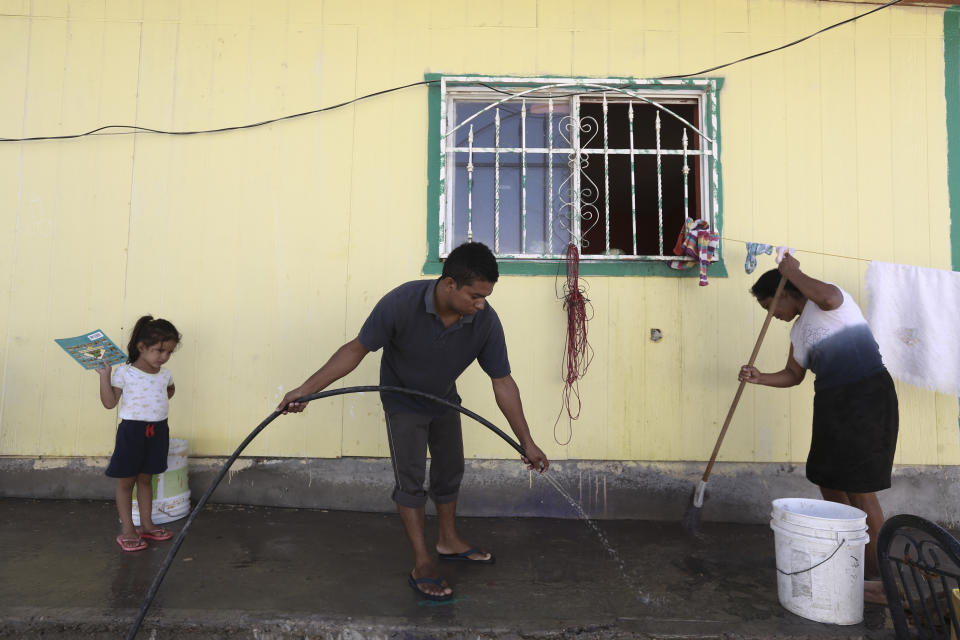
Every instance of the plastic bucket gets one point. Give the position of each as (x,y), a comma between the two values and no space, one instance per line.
(820,548)
(171,491)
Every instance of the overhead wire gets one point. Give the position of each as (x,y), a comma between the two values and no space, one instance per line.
(784,46)
(139,129)
(132,129)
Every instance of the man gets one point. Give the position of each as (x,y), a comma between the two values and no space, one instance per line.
(430,332)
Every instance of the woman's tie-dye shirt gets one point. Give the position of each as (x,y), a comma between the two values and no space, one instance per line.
(836,345)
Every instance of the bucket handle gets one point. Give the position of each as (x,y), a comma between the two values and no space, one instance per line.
(793,573)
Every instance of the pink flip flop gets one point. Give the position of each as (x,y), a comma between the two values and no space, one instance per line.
(131,545)
(156,534)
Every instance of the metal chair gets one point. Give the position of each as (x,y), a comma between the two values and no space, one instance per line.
(920,568)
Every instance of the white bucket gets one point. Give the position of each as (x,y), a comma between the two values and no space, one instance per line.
(171,492)
(820,549)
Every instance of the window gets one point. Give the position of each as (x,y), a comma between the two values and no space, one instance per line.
(613,166)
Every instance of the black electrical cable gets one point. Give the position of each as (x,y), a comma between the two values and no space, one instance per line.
(727,64)
(136,129)
(152,591)
(784,46)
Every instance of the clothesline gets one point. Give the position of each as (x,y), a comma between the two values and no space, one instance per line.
(697,240)
(819,253)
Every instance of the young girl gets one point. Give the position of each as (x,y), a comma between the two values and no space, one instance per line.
(143,388)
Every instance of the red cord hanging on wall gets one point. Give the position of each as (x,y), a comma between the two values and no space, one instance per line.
(577,353)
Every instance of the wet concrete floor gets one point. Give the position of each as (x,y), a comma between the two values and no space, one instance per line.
(272,574)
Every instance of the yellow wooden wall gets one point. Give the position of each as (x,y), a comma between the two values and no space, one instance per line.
(267,247)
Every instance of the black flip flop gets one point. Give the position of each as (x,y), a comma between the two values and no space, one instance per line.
(465,557)
(415,585)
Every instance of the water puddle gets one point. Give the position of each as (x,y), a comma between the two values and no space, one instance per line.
(440,603)
(644,598)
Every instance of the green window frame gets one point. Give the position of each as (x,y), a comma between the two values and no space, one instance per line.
(626,220)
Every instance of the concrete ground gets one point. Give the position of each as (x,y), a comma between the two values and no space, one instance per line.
(273,574)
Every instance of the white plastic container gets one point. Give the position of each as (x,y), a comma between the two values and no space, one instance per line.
(820,550)
(171,491)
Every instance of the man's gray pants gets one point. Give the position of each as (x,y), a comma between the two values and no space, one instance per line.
(410,435)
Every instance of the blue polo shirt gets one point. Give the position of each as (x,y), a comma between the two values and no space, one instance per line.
(420,353)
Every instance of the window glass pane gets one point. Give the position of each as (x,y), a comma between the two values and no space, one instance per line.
(483,129)
(538,124)
(537,201)
(562,205)
(482,199)
(511,222)
(485,202)
(509,124)
(509,201)
(484,125)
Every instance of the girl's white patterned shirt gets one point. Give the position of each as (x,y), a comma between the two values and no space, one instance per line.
(144,394)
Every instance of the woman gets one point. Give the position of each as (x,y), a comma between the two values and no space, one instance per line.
(855,419)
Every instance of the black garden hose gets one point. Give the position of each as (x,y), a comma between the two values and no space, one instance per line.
(152,592)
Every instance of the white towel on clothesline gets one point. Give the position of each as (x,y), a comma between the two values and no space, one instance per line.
(914,313)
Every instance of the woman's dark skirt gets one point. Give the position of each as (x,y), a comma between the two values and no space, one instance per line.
(854,435)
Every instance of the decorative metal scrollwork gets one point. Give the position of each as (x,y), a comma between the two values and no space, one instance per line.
(576,222)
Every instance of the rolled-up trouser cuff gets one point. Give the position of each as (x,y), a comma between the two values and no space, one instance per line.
(444,499)
(414,501)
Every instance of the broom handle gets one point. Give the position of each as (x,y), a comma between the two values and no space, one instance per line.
(753,357)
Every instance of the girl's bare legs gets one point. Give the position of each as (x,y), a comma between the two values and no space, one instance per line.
(145,501)
(124,497)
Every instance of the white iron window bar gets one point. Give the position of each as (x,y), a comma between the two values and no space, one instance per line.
(506,181)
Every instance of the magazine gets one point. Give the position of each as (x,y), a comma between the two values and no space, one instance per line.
(93,349)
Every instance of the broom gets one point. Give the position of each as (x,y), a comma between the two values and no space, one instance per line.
(691,517)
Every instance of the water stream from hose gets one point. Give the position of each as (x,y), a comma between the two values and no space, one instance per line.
(644,598)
